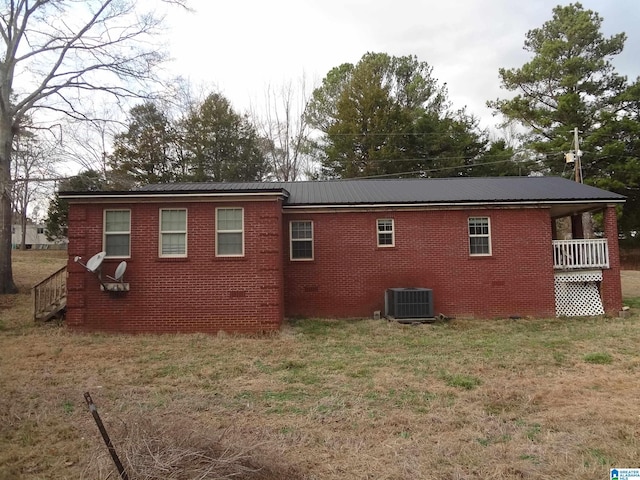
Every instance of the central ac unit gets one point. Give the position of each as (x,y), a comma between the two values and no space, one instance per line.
(404,303)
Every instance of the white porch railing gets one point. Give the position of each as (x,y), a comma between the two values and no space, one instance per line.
(580,253)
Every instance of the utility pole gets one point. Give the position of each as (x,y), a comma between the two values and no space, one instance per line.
(577,155)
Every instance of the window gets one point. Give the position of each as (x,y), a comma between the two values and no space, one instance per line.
(173,233)
(229,232)
(479,236)
(40,230)
(301,240)
(117,233)
(386,236)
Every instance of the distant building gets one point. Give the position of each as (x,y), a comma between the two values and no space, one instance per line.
(35,238)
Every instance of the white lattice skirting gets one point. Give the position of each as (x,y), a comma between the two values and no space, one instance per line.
(578,294)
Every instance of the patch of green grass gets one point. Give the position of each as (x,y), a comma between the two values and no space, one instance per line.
(459,380)
(292,365)
(362,372)
(485,442)
(416,400)
(598,456)
(533,431)
(262,367)
(316,327)
(633,302)
(532,458)
(283,396)
(68,407)
(599,358)
(559,357)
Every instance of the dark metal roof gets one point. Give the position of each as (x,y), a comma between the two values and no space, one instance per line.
(408,191)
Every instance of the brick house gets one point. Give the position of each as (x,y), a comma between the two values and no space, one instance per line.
(240,257)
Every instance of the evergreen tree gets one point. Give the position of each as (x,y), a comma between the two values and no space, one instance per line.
(570,83)
(219,144)
(146,152)
(388,116)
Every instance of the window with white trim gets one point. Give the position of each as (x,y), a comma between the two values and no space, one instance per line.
(479,236)
(229,232)
(117,233)
(173,233)
(301,240)
(386,235)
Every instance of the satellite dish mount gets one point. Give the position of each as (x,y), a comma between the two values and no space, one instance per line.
(94,265)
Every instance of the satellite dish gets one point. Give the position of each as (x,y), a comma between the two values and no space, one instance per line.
(122,267)
(94,262)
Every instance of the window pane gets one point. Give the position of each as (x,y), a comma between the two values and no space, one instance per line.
(173,244)
(385,225)
(301,230)
(479,226)
(117,221)
(229,243)
(385,239)
(479,245)
(173,220)
(229,219)
(301,249)
(117,245)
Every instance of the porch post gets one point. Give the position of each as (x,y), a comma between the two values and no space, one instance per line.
(577,230)
(611,288)
(554,229)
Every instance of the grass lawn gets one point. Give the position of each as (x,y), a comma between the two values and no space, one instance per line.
(322,399)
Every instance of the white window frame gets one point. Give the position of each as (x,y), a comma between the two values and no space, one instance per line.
(292,240)
(105,234)
(479,235)
(240,231)
(386,232)
(162,232)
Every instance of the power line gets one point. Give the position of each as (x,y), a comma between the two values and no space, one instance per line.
(45,179)
(429,170)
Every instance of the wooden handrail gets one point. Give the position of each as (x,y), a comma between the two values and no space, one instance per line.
(49,294)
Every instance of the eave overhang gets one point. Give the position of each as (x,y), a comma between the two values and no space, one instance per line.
(173,196)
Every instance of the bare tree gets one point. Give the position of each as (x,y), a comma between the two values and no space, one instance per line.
(87,143)
(33,161)
(284,130)
(62,50)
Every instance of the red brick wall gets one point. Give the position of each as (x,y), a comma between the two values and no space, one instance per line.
(349,273)
(200,293)
(347,278)
(611,288)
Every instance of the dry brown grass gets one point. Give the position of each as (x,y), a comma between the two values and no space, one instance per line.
(630,283)
(323,399)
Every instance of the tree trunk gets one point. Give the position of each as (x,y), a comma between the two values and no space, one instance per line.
(6,273)
(23,225)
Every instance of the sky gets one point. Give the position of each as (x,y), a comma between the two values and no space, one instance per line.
(240,47)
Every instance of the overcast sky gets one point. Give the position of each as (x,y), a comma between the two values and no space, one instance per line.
(240,46)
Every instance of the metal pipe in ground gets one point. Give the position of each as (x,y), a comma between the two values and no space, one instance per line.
(105,436)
